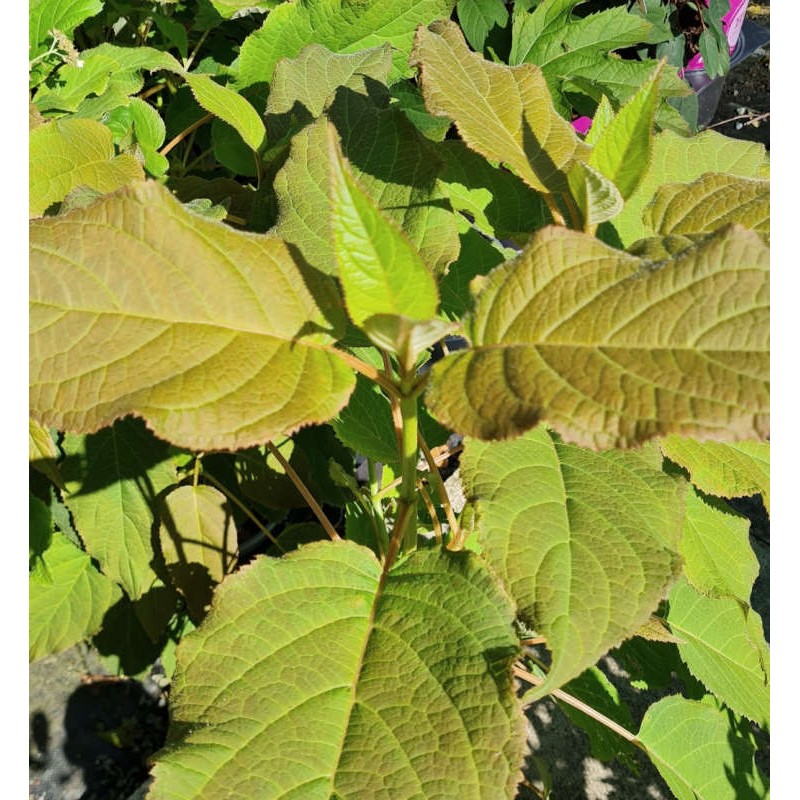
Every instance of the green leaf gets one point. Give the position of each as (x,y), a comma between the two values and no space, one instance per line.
(365,424)
(63,15)
(75,84)
(699,753)
(220,369)
(504,113)
(72,606)
(40,536)
(479,17)
(709,203)
(112,479)
(227,8)
(304,86)
(43,453)
(680,159)
(622,151)
(343,26)
(718,559)
(584,541)
(230,107)
(723,646)
(150,132)
(611,350)
(68,153)
(728,470)
(596,197)
(385,663)
(198,542)
(392,161)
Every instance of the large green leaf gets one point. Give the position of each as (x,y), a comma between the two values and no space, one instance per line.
(69,607)
(478,17)
(112,479)
(315,677)
(343,26)
(62,15)
(680,159)
(213,336)
(394,163)
(723,646)
(198,542)
(612,350)
(699,753)
(68,153)
(709,203)
(505,113)
(229,106)
(737,469)
(584,541)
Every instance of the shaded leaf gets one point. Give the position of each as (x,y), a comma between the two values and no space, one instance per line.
(736,469)
(217,369)
(479,17)
(112,479)
(596,197)
(40,536)
(71,607)
(343,26)
(505,113)
(198,542)
(364,644)
(42,452)
(611,350)
(709,203)
(723,646)
(68,153)
(230,107)
(699,753)
(584,541)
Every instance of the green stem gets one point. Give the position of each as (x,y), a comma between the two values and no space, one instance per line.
(408,472)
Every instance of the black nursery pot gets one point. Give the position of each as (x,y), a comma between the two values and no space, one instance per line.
(709,90)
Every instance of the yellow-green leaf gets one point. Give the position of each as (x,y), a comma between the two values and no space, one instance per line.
(74,152)
(213,336)
(596,197)
(709,203)
(612,350)
(584,541)
(505,113)
(198,542)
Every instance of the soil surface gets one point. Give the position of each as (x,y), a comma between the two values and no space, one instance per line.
(90,738)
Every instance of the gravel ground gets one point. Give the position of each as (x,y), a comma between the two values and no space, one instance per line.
(89,740)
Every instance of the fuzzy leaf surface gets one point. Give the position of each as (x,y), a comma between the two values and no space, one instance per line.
(63,15)
(715,545)
(504,113)
(723,646)
(343,26)
(679,159)
(612,350)
(230,107)
(198,542)
(112,479)
(698,753)
(68,153)
(387,669)
(584,541)
(736,469)
(595,195)
(709,203)
(220,369)
(71,606)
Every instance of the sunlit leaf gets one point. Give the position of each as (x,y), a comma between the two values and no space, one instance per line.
(596,197)
(584,541)
(611,350)
(63,15)
(380,669)
(68,153)
(121,324)
(479,17)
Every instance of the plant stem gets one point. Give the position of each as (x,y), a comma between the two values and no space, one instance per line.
(535,680)
(407,506)
(184,133)
(303,489)
(378,522)
(558,217)
(455,530)
(437,526)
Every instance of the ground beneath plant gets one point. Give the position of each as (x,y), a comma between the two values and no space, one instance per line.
(90,738)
